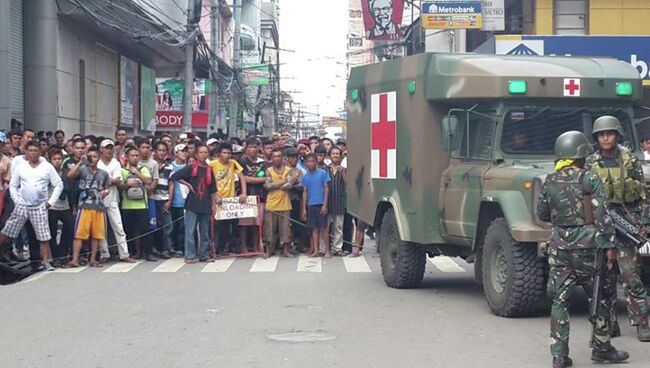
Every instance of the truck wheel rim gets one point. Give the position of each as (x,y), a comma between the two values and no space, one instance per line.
(499,268)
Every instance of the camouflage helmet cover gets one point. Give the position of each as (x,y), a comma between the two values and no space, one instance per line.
(572,145)
(608,123)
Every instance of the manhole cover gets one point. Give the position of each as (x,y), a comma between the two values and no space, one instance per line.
(302,337)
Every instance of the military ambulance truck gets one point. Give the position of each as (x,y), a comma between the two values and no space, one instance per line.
(447,153)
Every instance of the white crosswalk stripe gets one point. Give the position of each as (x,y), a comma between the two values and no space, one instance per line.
(265,265)
(170,265)
(220,265)
(356,264)
(306,264)
(446,264)
(122,267)
(70,270)
(302,263)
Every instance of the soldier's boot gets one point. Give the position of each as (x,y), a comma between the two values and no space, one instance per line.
(610,356)
(615,330)
(562,362)
(643,331)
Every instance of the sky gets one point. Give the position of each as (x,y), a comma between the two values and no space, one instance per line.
(317,32)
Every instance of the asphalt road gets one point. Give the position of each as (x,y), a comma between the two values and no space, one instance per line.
(252,313)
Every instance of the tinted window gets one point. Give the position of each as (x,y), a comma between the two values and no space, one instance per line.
(535,131)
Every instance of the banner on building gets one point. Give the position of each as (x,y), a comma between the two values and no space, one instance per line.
(493,15)
(256,74)
(230,208)
(452,15)
(169,103)
(335,127)
(630,49)
(128,92)
(147,99)
(383,19)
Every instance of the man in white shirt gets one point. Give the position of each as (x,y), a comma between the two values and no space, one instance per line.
(29,188)
(111,201)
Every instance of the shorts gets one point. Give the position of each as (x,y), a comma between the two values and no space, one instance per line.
(37,217)
(90,224)
(252,221)
(136,222)
(277,223)
(314,218)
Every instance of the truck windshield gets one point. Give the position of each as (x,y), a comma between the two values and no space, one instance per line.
(533,131)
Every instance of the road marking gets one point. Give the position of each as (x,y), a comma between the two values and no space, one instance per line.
(220,265)
(446,264)
(170,265)
(306,264)
(122,267)
(265,265)
(70,270)
(356,264)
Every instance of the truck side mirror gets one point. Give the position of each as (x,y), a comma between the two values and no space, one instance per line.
(449,128)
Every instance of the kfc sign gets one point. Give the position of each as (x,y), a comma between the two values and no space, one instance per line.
(382,19)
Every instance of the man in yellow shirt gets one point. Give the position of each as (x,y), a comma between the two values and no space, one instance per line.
(227,173)
(278,205)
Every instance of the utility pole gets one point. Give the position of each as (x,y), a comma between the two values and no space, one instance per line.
(189,69)
(214,70)
(234,101)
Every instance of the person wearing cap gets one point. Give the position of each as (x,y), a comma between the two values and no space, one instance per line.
(303,151)
(112,202)
(178,193)
(212,143)
(237,152)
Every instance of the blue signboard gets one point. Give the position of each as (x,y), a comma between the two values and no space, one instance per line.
(631,49)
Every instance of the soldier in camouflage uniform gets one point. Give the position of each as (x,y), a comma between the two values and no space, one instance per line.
(624,187)
(580,226)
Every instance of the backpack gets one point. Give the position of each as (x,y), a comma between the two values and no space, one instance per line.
(133,193)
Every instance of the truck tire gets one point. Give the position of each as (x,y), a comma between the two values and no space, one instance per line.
(513,275)
(402,264)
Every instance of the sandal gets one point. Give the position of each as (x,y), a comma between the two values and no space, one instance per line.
(354,254)
(190,261)
(70,265)
(95,265)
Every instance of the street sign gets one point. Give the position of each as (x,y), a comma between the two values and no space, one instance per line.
(452,15)
(230,208)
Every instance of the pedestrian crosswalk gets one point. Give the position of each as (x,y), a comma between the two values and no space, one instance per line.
(301,263)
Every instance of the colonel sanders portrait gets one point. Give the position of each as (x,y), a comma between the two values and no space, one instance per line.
(381,12)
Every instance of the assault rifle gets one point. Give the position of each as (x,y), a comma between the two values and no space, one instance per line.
(598,276)
(627,230)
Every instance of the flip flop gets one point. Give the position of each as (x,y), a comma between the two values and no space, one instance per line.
(68,265)
(354,255)
(96,265)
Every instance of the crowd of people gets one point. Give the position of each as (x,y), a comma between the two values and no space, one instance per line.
(151,198)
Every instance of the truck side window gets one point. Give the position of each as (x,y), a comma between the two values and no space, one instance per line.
(476,138)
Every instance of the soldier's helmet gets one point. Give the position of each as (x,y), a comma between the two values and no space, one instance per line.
(607,123)
(572,145)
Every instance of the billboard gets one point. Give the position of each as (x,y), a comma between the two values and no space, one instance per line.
(631,49)
(147,99)
(452,15)
(128,92)
(256,74)
(382,19)
(493,15)
(169,103)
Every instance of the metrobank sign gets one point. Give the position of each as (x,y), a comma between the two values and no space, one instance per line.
(631,49)
(451,14)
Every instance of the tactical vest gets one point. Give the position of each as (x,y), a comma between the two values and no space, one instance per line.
(566,204)
(619,184)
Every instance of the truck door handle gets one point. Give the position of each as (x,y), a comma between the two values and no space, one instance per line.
(447,179)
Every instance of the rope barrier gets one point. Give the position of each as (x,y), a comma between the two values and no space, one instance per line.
(212,240)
